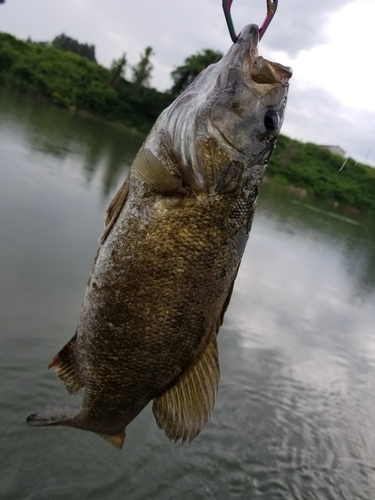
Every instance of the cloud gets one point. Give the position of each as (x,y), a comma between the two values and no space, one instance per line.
(314,115)
(302,25)
(331,96)
(344,65)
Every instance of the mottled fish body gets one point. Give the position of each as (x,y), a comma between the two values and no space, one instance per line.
(174,238)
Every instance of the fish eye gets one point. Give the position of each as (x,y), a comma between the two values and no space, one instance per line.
(271,120)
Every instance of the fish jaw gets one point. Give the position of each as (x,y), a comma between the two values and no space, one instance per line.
(232,112)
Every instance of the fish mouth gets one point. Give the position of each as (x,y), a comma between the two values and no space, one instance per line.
(262,74)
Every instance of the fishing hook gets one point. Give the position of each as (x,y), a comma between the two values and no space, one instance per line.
(271,10)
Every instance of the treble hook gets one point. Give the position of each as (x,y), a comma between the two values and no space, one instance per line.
(271,9)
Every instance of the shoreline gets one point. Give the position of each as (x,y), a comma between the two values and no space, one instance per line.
(302,194)
(295,190)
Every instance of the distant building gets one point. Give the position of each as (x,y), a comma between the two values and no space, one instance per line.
(336,150)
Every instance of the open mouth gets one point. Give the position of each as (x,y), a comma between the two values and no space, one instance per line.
(266,72)
(260,70)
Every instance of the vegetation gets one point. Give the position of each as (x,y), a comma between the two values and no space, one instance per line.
(72,81)
(68,44)
(117,71)
(317,170)
(142,71)
(184,75)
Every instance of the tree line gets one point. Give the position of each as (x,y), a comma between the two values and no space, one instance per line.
(66,73)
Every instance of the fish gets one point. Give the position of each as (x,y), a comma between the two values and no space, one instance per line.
(174,237)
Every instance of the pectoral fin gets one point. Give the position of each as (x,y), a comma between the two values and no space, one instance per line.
(184,409)
(150,170)
(65,368)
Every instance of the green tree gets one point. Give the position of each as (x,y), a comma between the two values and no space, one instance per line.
(142,71)
(68,44)
(117,71)
(184,75)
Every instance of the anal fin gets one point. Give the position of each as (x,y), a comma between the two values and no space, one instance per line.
(117,441)
(64,364)
(184,409)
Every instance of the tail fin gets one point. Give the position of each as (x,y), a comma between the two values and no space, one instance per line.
(54,415)
(65,415)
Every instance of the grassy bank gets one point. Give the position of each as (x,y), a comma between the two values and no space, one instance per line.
(71,81)
(317,171)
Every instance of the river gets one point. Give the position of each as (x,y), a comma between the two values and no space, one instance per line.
(294,417)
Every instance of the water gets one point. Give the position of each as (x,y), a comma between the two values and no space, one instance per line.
(294,418)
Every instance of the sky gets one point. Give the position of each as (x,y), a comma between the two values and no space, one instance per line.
(329,44)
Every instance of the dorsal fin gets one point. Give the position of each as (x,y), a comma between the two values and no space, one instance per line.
(114,209)
(151,171)
(117,441)
(64,364)
(184,409)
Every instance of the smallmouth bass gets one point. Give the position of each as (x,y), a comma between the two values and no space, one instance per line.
(173,242)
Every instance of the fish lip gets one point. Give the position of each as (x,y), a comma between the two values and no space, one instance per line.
(257,69)
(250,37)
(245,47)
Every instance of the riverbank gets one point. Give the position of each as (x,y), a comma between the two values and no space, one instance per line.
(84,87)
(71,81)
(320,174)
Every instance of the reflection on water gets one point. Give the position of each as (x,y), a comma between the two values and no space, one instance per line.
(295,415)
(63,135)
(353,237)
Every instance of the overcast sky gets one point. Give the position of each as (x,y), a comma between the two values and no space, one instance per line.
(329,43)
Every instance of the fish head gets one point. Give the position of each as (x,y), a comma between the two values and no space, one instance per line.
(230,115)
(248,112)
